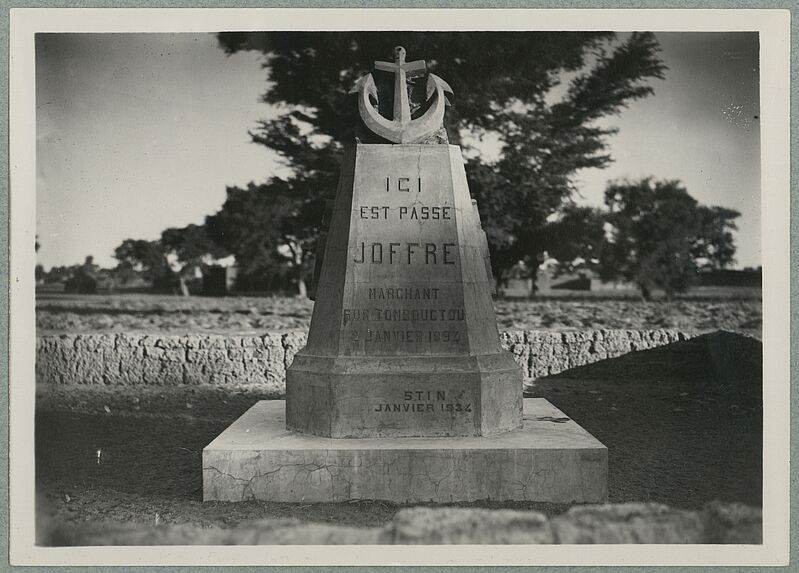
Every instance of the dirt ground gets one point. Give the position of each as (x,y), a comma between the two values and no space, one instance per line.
(675,435)
(703,310)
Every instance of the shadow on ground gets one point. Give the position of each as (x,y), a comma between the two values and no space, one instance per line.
(682,423)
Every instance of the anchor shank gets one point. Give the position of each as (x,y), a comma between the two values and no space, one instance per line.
(402,107)
(401,129)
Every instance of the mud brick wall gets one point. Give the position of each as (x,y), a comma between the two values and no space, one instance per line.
(170,360)
(543,353)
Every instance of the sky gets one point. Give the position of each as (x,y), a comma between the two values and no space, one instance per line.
(701,127)
(140,132)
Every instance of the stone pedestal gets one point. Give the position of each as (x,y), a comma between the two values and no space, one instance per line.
(550,458)
(403,339)
(403,391)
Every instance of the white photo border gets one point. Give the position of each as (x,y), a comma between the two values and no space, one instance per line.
(774,29)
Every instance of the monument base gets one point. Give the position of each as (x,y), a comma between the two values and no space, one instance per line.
(550,458)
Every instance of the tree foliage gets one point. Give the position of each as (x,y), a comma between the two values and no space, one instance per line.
(506,84)
(170,260)
(268,229)
(188,250)
(190,246)
(145,258)
(575,238)
(83,278)
(714,248)
(660,236)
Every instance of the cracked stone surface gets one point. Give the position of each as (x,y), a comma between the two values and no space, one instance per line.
(256,458)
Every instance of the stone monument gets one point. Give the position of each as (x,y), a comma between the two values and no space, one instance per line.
(403,391)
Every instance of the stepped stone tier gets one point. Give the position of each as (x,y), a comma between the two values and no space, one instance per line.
(403,391)
(550,458)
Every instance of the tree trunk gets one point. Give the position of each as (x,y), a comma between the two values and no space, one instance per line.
(302,288)
(646,294)
(498,289)
(184,288)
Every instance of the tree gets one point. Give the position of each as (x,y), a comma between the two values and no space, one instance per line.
(147,258)
(660,237)
(503,83)
(575,238)
(268,229)
(39,273)
(83,278)
(714,248)
(57,274)
(188,249)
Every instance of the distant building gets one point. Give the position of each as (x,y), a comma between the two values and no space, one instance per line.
(736,278)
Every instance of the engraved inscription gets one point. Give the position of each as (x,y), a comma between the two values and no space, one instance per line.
(402,314)
(405,226)
(373,212)
(384,336)
(405,253)
(424,213)
(403,184)
(411,213)
(388,336)
(420,401)
(403,293)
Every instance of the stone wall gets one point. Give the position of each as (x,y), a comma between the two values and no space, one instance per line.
(620,523)
(170,360)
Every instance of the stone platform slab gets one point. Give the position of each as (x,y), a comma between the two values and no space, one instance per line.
(551,458)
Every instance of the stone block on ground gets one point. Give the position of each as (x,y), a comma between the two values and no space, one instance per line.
(452,525)
(719,523)
(261,532)
(733,523)
(628,523)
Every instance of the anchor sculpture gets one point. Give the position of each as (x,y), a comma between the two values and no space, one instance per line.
(402,128)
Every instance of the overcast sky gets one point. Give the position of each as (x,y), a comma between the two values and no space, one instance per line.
(140,132)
